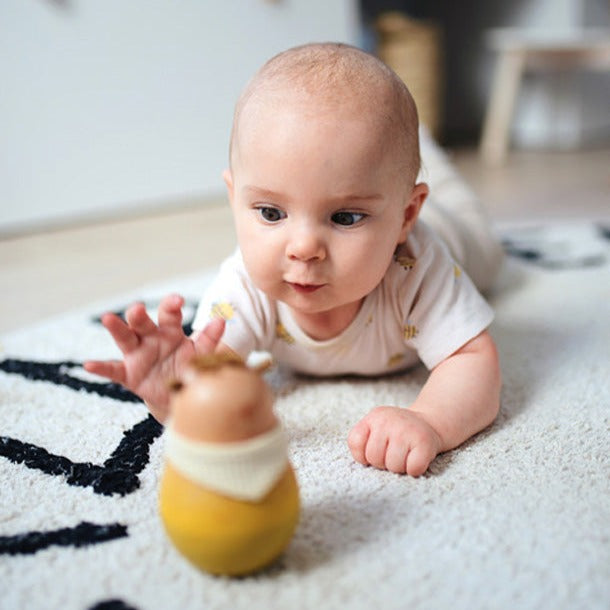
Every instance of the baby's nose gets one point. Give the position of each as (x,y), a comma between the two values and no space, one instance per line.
(306,245)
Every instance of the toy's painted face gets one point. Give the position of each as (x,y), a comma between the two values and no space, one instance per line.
(319,204)
(222,404)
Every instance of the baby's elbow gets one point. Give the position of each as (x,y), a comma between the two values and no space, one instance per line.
(494,409)
(495,381)
(493,375)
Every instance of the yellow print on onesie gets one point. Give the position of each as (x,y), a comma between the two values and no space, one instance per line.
(457,272)
(406,262)
(282,334)
(395,360)
(410,331)
(223,310)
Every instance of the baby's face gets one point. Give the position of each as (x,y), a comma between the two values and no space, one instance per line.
(319,204)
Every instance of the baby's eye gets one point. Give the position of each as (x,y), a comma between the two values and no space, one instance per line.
(346,219)
(269,214)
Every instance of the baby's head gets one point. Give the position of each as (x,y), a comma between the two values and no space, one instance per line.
(324,159)
(339,81)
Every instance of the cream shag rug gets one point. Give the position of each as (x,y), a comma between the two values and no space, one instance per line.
(518,517)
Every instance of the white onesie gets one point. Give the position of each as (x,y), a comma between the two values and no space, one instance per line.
(425,308)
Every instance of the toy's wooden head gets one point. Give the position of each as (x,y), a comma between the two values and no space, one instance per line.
(220,399)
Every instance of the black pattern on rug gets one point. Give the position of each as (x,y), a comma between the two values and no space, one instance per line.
(58,373)
(557,247)
(117,475)
(112,604)
(82,535)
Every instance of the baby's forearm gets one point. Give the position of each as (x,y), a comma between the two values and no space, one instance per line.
(462,394)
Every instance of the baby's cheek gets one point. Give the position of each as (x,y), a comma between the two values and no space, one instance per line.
(258,267)
(371,265)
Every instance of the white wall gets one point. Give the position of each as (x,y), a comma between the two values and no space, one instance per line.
(108,105)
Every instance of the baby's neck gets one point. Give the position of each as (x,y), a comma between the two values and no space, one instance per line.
(327,324)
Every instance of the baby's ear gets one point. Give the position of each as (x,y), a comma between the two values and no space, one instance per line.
(412,208)
(227,176)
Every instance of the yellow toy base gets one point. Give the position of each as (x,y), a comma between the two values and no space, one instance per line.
(225,536)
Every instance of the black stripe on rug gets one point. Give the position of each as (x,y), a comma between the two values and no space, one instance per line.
(83,534)
(57,373)
(112,604)
(118,474)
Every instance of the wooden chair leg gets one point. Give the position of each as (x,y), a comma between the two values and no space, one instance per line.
(496,127)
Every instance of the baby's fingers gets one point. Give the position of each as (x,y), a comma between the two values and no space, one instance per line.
(111,369)
(170,311)
(419,459)
(125,338)
(357,440)
(209,338)
(396,457)
(140,322)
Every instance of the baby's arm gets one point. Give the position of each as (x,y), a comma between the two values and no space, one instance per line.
(154,354)
(460,398)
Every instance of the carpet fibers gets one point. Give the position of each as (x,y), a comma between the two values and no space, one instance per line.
(518,517)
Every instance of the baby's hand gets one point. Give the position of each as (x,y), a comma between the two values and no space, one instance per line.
(153,355)
(395,439)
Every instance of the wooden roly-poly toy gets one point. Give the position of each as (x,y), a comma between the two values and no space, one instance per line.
(229,498)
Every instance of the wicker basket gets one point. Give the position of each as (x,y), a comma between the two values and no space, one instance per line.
(412,48)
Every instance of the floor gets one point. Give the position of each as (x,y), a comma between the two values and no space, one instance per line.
(47,273)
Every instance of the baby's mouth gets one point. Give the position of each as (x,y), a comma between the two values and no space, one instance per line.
(305,288)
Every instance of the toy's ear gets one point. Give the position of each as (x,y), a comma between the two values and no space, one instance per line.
(259,362)
(261,367)
(175,385)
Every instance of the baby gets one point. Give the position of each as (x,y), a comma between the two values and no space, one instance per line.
(334,273)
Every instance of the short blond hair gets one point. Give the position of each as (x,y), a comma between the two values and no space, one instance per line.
(338,75)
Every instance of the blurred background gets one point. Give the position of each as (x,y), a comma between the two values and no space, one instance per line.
(115,118)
